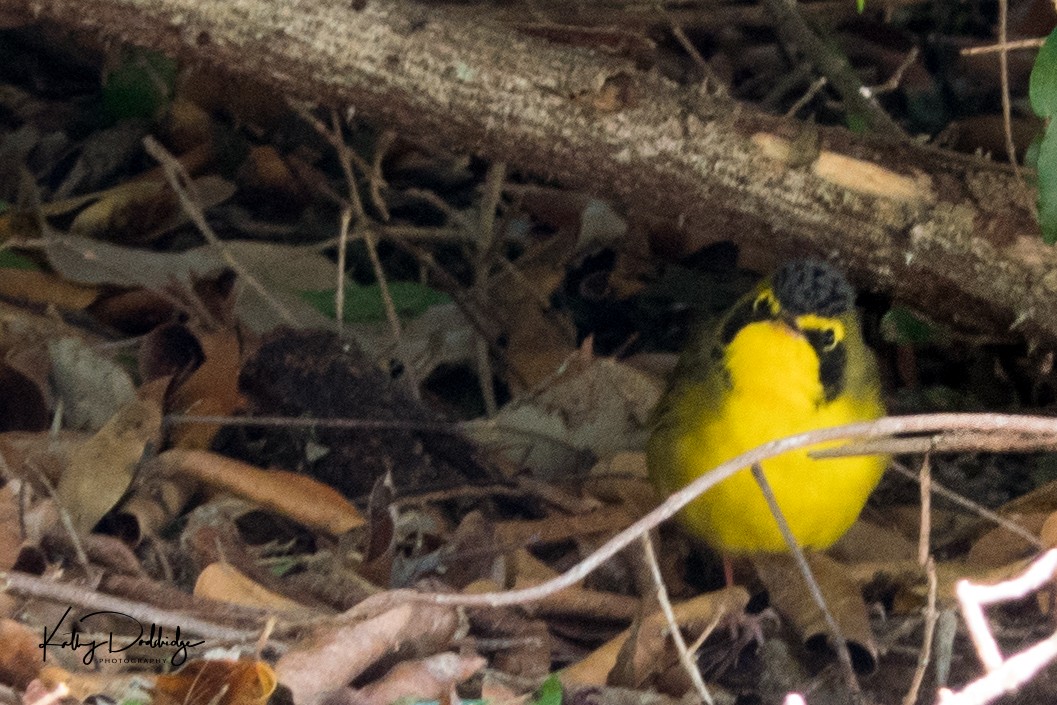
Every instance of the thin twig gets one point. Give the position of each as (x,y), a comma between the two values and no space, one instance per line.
(339,288)
(434,200)
(887,426)
(299,421)
(1007,46)
(1003,72)
(996,442)
(784,84)
(181,183)
(925,532)
(831,64)
(841,644)
(685,657)
(493,192)
(411,232)
(334,139)
(375,179)
(810,93)
(390,314)
(972,506)
(925,654)
(346,157)
(27,585)
(362,227)
(684,41)
(897,76)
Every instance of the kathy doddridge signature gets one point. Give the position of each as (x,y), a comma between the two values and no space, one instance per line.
(155,638)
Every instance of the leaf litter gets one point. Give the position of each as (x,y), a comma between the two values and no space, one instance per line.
(168,447)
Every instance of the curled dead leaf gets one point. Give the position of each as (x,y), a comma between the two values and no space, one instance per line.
(695,614)
(791,598)
(224,583)
(298,497)
(216,682)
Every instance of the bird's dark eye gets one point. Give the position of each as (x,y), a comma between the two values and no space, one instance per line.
(828,339)
(764,306)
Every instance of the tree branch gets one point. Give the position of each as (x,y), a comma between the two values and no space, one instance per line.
(954,235)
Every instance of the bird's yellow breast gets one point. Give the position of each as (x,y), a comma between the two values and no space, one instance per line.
(769,388)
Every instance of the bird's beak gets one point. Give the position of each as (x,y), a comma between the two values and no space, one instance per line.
(789,324)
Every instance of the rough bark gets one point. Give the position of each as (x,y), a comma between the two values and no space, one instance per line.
(955,236)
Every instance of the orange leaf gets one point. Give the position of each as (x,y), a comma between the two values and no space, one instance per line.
(298,497)
(218,683)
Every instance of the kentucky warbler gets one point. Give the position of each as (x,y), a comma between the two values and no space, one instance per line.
(788,357)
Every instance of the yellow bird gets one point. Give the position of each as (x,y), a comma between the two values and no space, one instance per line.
(788,357)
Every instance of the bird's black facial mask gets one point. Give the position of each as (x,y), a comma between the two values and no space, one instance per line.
(831,362)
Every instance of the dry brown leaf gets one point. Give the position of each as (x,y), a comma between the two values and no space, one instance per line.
(298,497)
(639,657)
(906,519)
(472,552)
(215,682)
(592,408)
(538,338)
(693,615)
(791,598)
(19,654)
(153,505)
(186,126)
(31,456)
(265,174)
(1000,546)
(430,678)
(140,210)
(622,478)
(46,288)
(866,541)
(101,469)
(529,570)
(211,390)
(1040,499)
(127,211)
(223,582)
(343,649)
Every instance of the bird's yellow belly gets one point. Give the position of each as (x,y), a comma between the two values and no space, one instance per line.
(820,499)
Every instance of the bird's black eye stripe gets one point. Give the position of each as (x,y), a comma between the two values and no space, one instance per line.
(831,360)
(743,314)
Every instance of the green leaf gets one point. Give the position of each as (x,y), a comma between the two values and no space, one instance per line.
(903,327)
(140,87)
(860,5)
(1031,154)
(1042,88)
(363,304)
(13,260)
(550,693)
(1047,171)
(857,123)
